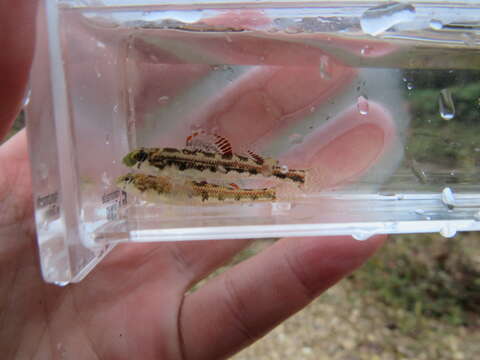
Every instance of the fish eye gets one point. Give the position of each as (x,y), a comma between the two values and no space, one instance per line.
(141,155)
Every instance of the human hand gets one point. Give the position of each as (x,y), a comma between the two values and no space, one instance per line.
(134,304)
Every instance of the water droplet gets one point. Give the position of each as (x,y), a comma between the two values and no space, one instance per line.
(380,18)
(295,139)
(284,169)
(436,24)
(26,98)
(448,198)
(362,235)
(362,105)
(446,105)
(448,230)
(281,206)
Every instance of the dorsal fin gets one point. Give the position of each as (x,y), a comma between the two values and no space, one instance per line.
(255,157)
(224,146)
(201,140)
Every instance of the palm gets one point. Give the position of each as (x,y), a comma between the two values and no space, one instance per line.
(133,305)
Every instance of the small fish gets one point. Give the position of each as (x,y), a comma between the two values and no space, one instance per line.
(159,188)
(179,175)
(172,162)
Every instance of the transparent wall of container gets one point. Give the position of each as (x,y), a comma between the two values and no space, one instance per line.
(378,107)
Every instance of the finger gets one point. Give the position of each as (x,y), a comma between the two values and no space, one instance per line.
(241,305)
(16,41)
(15,181)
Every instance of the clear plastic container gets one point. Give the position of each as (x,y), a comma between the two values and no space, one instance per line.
(259,119)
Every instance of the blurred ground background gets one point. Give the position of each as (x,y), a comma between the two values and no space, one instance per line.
(419,297)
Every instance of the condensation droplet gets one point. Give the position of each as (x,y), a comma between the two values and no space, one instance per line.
(43,171)
(446,105)
(284,169)
(295,139)
(380,18)
(448,231)
(362,105)
(436,24)
(97,72)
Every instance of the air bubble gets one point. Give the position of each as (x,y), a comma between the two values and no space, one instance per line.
(446,105)
(362,105)
(380,18)
(163,99)
(324,68)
